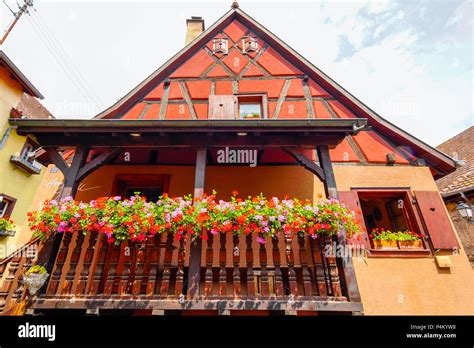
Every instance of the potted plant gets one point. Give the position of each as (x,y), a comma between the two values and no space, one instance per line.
(6,227)
(251,115)
(34,278)
(409,240)
(383,239)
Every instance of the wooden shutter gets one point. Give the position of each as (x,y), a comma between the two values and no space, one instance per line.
(436,220)
(222,107)
(351,200)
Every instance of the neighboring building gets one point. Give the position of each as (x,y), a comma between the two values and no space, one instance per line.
(20,171)
(459,186)
(237,85)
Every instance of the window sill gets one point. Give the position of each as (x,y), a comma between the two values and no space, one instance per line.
(378,253)
(7,233)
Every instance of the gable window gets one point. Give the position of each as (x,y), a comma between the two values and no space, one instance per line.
(220,46)
(252,106)
(7,204)
(250,44)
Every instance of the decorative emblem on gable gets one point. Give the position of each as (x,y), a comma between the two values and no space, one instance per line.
(220,46)
(249,44)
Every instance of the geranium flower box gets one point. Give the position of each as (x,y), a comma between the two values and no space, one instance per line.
(384,244)
(410,244)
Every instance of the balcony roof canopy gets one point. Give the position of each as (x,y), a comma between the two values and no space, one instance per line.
(188,133)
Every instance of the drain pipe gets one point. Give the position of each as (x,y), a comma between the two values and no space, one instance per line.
(5,136)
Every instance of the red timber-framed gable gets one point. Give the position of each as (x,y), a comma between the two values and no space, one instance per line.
(295,89)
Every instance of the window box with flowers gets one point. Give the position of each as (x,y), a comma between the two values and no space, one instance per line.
(7,227)
(135,219)
(381,238)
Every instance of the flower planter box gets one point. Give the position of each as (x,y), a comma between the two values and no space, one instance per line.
(384,244)
(410,244)
(7,233)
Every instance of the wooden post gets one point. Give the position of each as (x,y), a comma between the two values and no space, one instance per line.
(196,245)
(326,165)
(50,247)
(349,280)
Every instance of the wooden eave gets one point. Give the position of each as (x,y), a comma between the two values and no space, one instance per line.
(170,133)
(17,75)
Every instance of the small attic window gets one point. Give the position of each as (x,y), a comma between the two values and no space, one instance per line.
(250,44)
(220,45)
(252,106)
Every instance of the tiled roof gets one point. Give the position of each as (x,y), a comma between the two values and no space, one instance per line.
(459,147)
(30,107)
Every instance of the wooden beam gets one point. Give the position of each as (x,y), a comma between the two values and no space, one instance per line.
(305,162)
(97,162)
(326,165)
(348,277)
(195,251)
(57,160)
(307,303)
(70,180)
(192,140)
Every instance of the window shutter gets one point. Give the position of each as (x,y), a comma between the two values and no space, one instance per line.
(351,201)
(222,107)
(436,220)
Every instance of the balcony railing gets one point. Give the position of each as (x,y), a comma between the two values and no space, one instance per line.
(237,273)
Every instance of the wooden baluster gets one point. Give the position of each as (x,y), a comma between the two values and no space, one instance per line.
(98,264)
(76,253)
(277,262)
(128,267)
(290,260)
(80,264)
(165,280)
(58,264)
(140,263)
(333,272)
(82,284)
(319,267)
(236,262)
(180,272)
(18,288)
(308,291)
(154,259)
(249,260)
(112,272)
(327,276)
(222,264)
(146,267)
(209,258)
(121,277)
(9,282)
(265,287)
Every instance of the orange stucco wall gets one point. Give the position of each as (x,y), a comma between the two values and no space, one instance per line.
(272,181)
(387,285)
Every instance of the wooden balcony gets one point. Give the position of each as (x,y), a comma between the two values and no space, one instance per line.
(237,274)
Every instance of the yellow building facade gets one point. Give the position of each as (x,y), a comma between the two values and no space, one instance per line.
(19,178)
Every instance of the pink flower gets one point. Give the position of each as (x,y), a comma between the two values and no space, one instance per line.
(260,240)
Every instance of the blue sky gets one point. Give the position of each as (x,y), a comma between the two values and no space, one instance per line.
(411,61)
